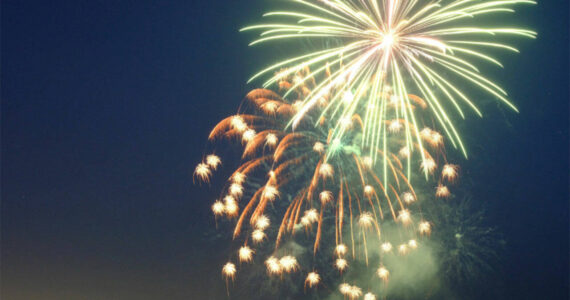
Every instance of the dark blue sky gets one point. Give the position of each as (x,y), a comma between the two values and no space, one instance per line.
(105,110)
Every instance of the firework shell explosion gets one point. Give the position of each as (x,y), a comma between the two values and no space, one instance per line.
(334,139)
(333,185)
(415,46)
(468,249)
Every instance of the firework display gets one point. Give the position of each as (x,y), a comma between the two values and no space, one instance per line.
(423,47)
(338,141)
(333,183)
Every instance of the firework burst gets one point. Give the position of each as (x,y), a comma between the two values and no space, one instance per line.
(387,49)
(337,141)
(307,182)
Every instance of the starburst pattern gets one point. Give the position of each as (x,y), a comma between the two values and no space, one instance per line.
(397,46)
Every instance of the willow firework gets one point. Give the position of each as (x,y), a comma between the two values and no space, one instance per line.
(333,182)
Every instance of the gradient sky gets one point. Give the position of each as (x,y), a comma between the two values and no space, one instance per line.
(106,106)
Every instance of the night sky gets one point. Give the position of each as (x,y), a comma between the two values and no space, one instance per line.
(106,106)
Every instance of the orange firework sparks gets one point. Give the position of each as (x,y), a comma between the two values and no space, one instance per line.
(339,178)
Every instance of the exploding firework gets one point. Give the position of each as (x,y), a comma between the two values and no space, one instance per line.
(399,45)
(330,153)
(467,248)
(304,182)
